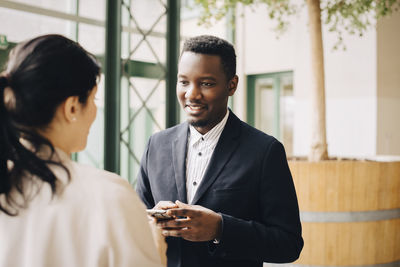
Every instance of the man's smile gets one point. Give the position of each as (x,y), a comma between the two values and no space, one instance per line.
(195,109)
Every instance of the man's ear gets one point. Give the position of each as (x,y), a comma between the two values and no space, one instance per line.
(70,108)
(233,85)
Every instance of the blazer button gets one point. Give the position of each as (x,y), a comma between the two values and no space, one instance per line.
(194,183)
(200,154)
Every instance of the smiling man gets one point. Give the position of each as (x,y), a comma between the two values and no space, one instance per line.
(226,185)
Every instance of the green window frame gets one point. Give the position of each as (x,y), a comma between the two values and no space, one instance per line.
(276,81)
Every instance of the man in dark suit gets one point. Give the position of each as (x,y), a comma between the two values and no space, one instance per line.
(227,185)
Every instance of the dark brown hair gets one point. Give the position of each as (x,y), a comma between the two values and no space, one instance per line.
(40,74)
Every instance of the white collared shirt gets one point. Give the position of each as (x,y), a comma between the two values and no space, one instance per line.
(200,150)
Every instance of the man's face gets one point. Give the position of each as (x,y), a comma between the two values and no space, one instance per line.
(203,89)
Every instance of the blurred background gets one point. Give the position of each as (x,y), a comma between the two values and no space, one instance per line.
(362,82)
(138,44)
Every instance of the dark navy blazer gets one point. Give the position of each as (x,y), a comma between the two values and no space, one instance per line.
(247,181)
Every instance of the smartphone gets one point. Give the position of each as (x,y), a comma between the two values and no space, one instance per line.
(159,214)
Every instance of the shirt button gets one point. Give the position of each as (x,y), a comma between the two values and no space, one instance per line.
(202,139)
(194,183)
(200,154)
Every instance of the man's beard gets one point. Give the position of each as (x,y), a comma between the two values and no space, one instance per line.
(198,123)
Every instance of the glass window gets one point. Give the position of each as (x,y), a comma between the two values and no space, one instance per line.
(143,95)
(94,151)
(32,26)
(65,6)
(271,101)
(93,9)
(92,38)
(265,105)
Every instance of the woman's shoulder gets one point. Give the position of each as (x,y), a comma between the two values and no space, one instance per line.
(99,184)
(89,173)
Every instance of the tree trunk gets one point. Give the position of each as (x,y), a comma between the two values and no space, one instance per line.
(319,148)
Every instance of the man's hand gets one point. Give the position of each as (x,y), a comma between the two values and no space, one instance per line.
(164,205)
(198,223)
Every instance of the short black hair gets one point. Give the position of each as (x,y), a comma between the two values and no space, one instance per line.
(212,45)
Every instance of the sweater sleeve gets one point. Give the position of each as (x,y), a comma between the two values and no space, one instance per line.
(127,234)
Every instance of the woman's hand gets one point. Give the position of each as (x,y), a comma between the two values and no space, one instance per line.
(159,240)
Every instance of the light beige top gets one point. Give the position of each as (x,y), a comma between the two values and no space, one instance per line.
(97,220)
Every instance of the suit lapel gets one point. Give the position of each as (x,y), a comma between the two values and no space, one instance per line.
(179,150)
(227,144)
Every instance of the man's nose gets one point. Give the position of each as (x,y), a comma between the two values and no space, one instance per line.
(193,92)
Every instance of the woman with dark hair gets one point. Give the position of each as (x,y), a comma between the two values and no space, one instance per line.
(53,211)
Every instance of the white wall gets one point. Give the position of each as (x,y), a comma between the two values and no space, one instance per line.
(350,80)
(388,57)
(351,95)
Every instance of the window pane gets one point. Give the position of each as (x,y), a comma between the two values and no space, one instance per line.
(151,50)
(65,6)
(32,26)
(143,113)
(93,153)
(92,38)
(94,9)
(143,99)
(147,14)
(153,92)
(265,106)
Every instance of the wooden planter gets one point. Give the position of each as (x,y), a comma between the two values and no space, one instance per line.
(350,212)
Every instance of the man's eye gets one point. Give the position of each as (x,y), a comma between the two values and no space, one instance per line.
(207,84)
(183,82)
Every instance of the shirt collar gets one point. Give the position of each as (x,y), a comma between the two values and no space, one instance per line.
(211,136)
